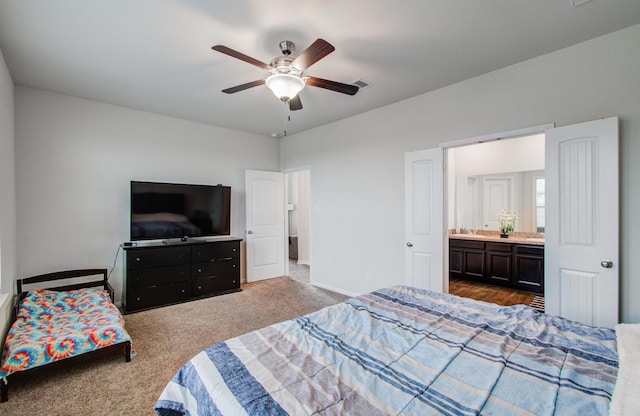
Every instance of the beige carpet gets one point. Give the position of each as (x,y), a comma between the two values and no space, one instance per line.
(165,339)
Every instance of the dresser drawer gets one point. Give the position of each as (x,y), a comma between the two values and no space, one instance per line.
(216,284)
(158,276)
(530,250)
(472,244)
(215,268)
(504,247)
(157,257)
(149,297)
(215,251)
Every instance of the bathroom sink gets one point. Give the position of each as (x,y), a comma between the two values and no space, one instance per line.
(468,235)
(538,240)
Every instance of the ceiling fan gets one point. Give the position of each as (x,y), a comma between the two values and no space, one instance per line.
(286,78)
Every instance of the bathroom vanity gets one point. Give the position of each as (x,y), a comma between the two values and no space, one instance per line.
(515,262)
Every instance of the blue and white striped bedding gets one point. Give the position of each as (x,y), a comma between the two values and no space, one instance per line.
(403,350)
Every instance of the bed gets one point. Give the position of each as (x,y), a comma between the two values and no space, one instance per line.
(60,323)
(403,350)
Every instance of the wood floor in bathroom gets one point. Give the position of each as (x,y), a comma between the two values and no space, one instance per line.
(489,293)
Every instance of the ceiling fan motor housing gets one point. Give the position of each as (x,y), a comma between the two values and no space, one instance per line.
(287,47)
(283,65)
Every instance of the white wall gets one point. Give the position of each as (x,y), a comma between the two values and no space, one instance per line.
(501,156)
(75,159)
(8,253)
(356,164)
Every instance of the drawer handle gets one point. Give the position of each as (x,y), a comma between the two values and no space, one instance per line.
(199,270)
(138,298)
(137,258)
(234,249)
(183,290)
(234,265)
(199,287)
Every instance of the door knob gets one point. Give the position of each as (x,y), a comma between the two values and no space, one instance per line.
(249,232)
(409,244)
(607,264)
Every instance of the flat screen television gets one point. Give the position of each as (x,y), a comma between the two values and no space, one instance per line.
(170,210)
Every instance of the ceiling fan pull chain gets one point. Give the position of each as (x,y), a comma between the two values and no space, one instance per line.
(284,119)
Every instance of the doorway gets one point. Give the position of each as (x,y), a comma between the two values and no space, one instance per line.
(297,191)
(580,273)
(485,177)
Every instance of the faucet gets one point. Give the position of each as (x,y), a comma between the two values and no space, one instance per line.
(468,231)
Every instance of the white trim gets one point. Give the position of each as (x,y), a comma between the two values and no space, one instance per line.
(297,169)
(510,134)
(335,289)
(5,313)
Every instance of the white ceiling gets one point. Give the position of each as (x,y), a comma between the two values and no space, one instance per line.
(155,55)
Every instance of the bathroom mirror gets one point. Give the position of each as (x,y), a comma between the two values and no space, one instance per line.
(479,198)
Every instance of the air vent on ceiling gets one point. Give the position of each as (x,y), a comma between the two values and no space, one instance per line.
(576,3)
(361,84)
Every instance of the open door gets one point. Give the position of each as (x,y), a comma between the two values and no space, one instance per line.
(265,235)
(582,222)
(424,220)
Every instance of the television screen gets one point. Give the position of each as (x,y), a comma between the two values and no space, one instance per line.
(169,210)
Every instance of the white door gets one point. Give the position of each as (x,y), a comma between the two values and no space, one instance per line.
(265,235)
(497,194)
(424,219)
(581,238)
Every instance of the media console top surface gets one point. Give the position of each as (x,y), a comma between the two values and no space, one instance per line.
(175,242)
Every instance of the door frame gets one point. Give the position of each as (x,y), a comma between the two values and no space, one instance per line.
(504,135)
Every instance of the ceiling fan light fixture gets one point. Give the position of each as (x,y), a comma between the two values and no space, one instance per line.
(285,86)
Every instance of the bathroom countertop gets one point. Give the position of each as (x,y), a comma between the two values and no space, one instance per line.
(495,238)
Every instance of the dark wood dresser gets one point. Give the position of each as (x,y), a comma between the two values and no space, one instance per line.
(163,274)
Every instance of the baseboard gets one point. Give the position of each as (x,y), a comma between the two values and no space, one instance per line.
(335,289)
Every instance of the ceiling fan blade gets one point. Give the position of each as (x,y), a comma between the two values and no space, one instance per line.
(238,55)
(295,103)
(318,50)
(243,87)
(332,85)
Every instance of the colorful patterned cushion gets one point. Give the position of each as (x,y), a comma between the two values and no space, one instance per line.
(55,325)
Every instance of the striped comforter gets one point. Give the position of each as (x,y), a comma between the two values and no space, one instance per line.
(403,351)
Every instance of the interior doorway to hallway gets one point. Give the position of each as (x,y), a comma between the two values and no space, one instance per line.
(297,191)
